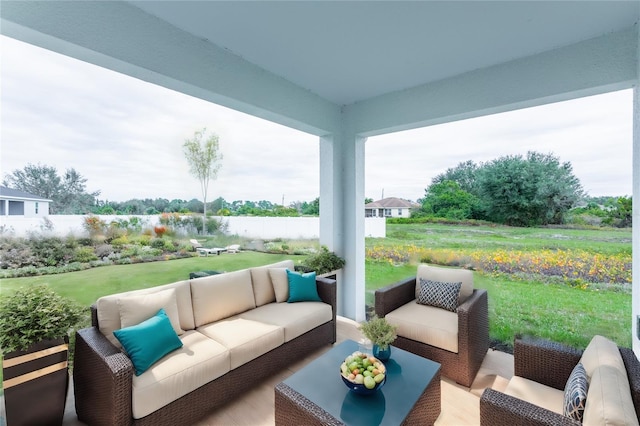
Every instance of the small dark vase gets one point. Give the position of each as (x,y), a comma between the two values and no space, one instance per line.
(382,354)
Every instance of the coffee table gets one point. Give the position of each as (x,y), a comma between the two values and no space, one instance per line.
(316,395)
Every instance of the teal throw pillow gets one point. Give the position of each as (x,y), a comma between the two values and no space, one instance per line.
(148,341)
(302,287)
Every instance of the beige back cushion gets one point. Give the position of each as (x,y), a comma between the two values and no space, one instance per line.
(220,296)
(601,351)
(280,281)
(609,399)
(108,309)
(262,286)
(447,275)
(139,307)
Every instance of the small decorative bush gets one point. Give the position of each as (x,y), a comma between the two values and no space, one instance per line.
(104,250)
(120,241)
(157,243)
(35,313)
(323,262)
(84,255)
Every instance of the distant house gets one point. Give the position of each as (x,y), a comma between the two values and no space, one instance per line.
(390,207)
(19,203)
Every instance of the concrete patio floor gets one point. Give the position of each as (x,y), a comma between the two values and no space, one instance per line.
(460,405)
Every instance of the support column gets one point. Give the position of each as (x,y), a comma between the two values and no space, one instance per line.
(635,241)
(342,215)
(635,218)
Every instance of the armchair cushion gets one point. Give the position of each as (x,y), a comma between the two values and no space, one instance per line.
(451,275)
(601,351)
(439,294)
(575,393)
(536,393)
(609,400)
(432,326)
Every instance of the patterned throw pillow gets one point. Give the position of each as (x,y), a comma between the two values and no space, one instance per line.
(439,294)
(575,393)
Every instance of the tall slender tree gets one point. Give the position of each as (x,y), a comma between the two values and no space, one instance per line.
(204,158)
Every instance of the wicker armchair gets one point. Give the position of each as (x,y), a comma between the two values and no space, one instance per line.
(550,364)
(473,331)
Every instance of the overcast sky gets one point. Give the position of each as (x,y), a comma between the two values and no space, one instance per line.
(125,136)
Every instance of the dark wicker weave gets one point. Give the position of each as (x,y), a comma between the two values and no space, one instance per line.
(293,409)
(548,363)
(102,375)
(473,331)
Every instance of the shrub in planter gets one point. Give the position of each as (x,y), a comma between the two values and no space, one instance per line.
(323,262)
(36,323)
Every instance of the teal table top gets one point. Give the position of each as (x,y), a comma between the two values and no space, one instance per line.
(408,375)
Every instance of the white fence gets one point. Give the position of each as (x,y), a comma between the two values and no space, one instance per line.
(244,226)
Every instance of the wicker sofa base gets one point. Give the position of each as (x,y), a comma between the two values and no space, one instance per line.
(189,408)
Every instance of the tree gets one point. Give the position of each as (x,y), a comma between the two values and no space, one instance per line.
(620,215)
(536,190)
(464,174)
(68,193)
(204,161)
(446,199)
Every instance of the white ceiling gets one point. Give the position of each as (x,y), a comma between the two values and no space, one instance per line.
(350,51)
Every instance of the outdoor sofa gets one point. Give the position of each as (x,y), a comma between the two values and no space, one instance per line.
(235,329)
(604,391)
(457,338)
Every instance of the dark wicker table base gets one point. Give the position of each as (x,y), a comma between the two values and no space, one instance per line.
(291,408)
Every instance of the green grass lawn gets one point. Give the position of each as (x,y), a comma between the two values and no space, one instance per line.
(87,286)
(516,306)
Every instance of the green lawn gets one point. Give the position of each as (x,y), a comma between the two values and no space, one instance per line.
(87,286)
(556,311)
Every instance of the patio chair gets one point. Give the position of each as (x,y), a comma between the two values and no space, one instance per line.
(558,385)
(452,330)
(195,244)
(234,248)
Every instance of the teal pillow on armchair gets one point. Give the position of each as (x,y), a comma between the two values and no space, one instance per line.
(302,287)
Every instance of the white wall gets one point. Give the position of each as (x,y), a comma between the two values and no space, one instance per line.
(249,227)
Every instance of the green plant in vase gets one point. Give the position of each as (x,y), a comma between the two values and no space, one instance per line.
(323,262)
(382,335)
(36,323)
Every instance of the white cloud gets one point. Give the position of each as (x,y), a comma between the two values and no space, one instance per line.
(125,136)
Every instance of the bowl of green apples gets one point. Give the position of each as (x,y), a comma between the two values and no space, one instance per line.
(363,373)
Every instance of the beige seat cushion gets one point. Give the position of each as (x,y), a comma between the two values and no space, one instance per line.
(220,296)
(447,275)
(601,351)
(139,307)
(280,282)
(295,318)
(245,339)
(537,394)
(108,309)
(198,362)
(433,326)
(262,285)
(609,399)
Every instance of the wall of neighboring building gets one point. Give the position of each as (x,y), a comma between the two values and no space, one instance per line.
(393,212)
(24,208)
(243,226)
